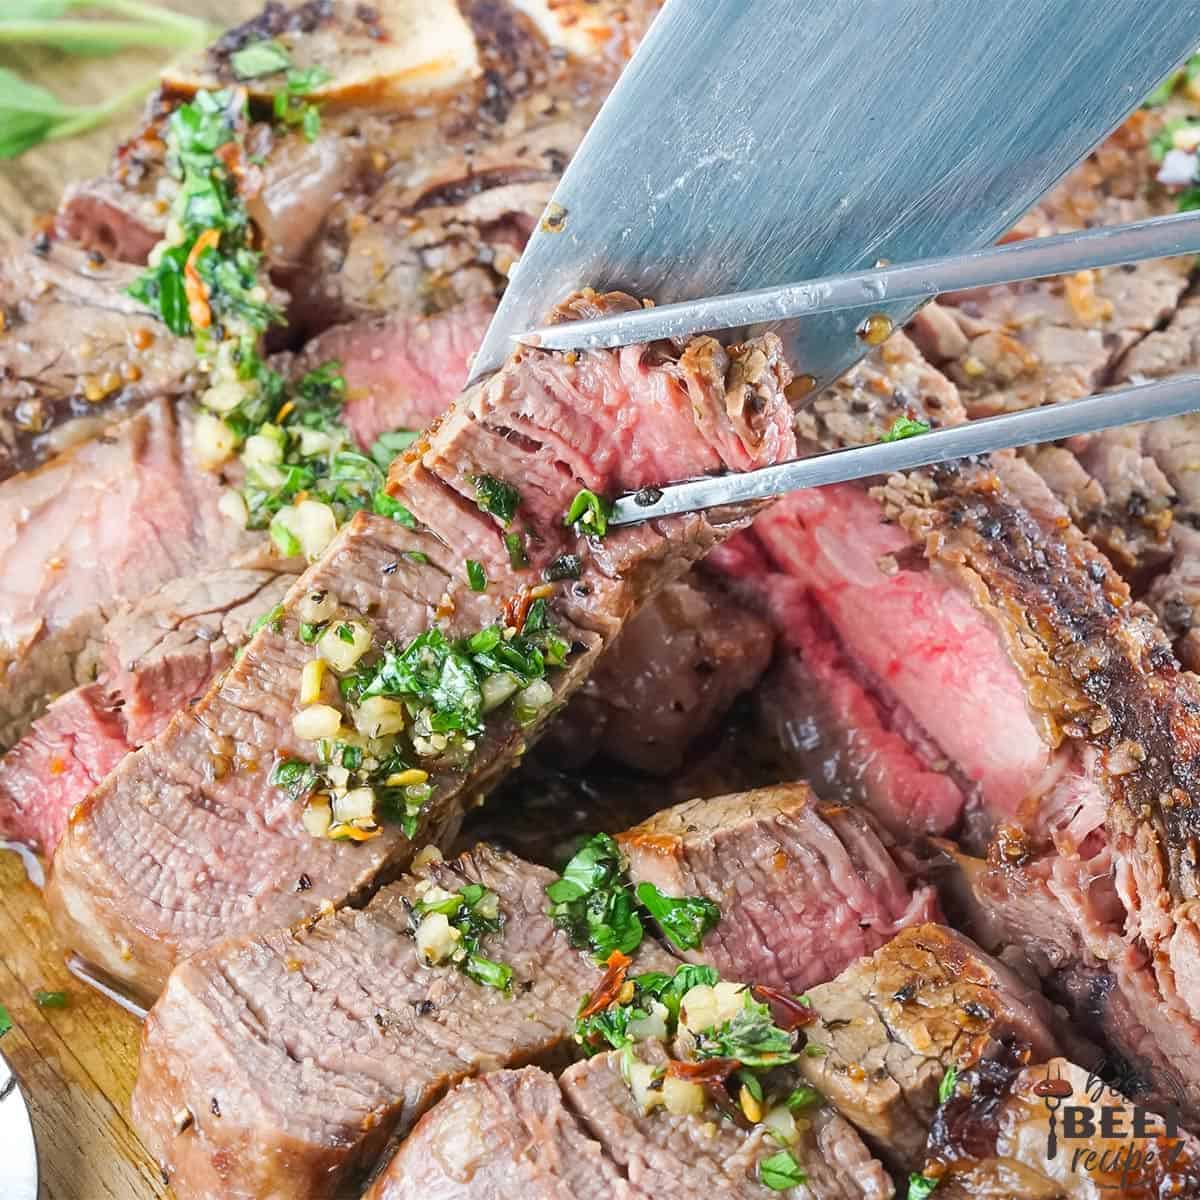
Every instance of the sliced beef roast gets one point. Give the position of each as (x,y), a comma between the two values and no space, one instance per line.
(891,1026)
(811,883)
(73,345)
(281,1065)
(107,522)
(1002,651)
(320,1039)
(699,1154)
(136,902)
(152,660)
(505,1134)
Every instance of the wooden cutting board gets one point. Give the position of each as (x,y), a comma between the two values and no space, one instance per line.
(77,1065)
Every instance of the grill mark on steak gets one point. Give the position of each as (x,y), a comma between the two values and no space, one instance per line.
(111,906)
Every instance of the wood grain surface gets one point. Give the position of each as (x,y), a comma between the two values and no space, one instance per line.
(76,1065)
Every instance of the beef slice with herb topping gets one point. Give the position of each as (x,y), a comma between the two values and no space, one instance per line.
(189,840)
(697,1153)
(890,1026)
(281,1065)
(804,888)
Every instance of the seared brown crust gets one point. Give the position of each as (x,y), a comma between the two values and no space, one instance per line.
(1098,668)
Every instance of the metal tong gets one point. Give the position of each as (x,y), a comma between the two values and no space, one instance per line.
(1034,258)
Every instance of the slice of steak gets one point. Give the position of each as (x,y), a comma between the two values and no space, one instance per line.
(154,659)
(1055,1132)
(697,1154)
(105,523)
(69,750)
(552,425)
(1062,922)
(281,1065)
(804,888)
(74,346)
(666,682)
(1072,720)
(505,1134)
(890,1026)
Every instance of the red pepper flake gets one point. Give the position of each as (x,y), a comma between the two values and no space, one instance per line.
(787,1012)
(707,1070)
(610,985)
(193,285)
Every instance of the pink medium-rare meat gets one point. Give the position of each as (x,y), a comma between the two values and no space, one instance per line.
(220,851)
(401,371)
(837,730)
(71,747)
(153,658)
(105,523)
(916,632)
(774,929)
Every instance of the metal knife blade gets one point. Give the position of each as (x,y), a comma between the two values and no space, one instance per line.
(753,143)
(18,1157)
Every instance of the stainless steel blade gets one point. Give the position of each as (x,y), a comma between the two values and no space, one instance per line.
(752,143)
(18,1156)
(1147,402)
(1156,237)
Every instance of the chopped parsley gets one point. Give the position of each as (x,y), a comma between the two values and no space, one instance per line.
(948,1084)
(1165,90)
(388,445)
(685,922)
(750,1036)
(289,105)
(496,497)
(474,912)
(610,1027)
(385,506)
(781,1171)
(272,619)
(589,513)
(594,904)
(803,1097)
(205,276)
(476,576)
(517,557)
(920,1187)
(904,427)
(259,59)
(44,999)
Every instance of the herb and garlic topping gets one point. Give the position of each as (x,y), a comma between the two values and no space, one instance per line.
(375,713)
(594,903)
(304,473)
(730,1046)
(451,926)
